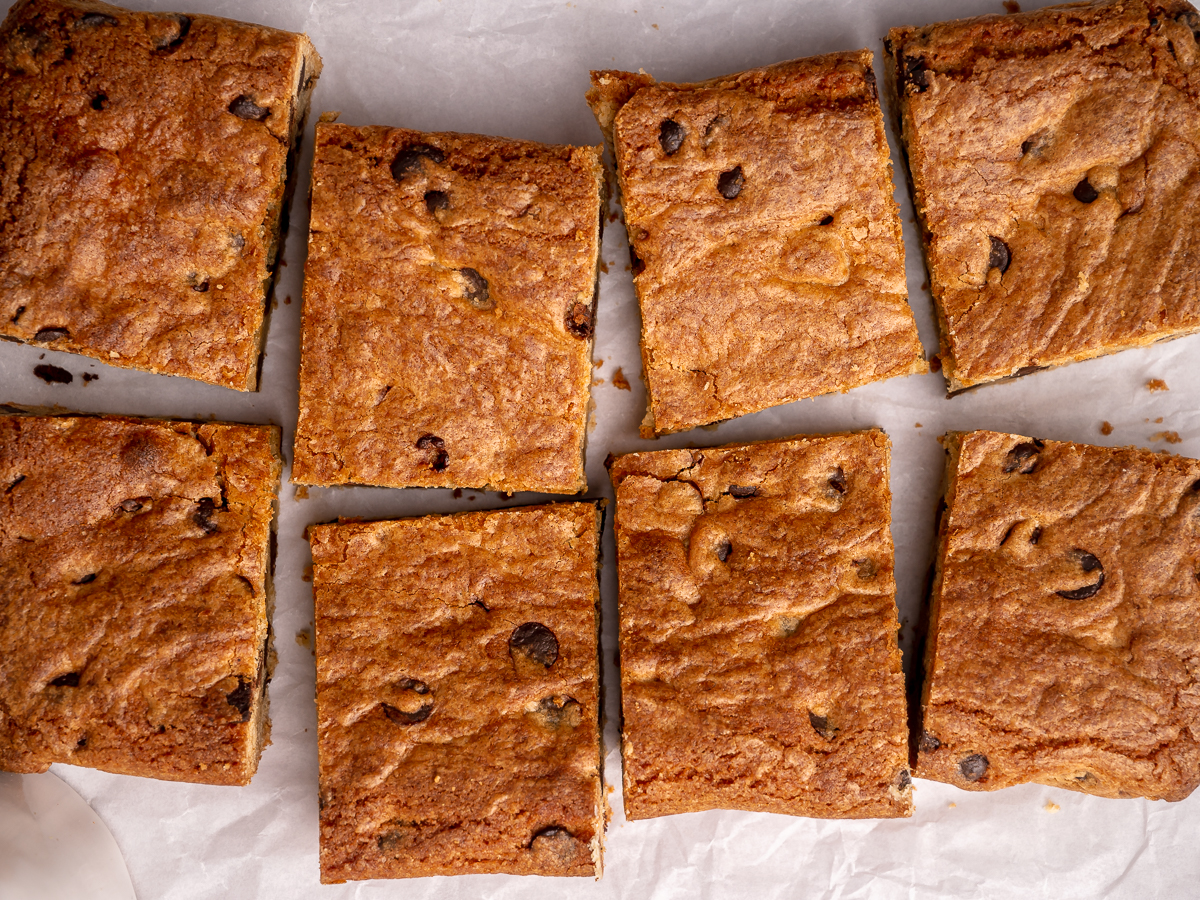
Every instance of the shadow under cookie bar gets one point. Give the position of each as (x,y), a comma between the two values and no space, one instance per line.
(1053,165)
(458,693)
(449,308)
(1063,643)
(144,183)
(135,595)
(767,253)
(760,668)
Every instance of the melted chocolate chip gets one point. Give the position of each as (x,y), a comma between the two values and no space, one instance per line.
(579,320)
(837,481)
(400,717)
(822,727)
(203,516)
(729,184)
(742,491)
(410,159)
(440,461)
(904,780)
(131,506)
(476,289)
(927,743)
(973,767)
(1035,535)
(17,315)
(555,712)
(723,550)
(635,262)
(239,698)
(1084,192)
(71,679)
(86,579)
(245,108)
(1027,370)
(913,72)
(183,26)
(435,200)
(201,288)
(534,641)
(555,841)
(828,220)
(100,102)
(12,487)
(1022,459)
(53,374)
(670,136)
(999,257)
(425,441)
(95,20)
(1088,563)
(51,334)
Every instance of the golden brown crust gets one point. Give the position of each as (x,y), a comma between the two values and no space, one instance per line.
(759,662)
(139,216)
(134,572)
(1064,649)
(784,280)
(448,311)
(444,747)
(1055,165)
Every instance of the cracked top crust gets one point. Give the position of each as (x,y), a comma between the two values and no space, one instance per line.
(759,663)
(134,580)
(1063,646)
(143,160)
(448,311)
(1055,162)
(458,694)
(768,258)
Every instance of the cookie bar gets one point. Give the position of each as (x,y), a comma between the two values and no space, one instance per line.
(143,165)
(458,694)
(1063,646)
(759,663)
(448,311)
(1053,160)
(767,255)
(135,594)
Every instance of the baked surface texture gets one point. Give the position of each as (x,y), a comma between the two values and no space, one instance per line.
(759,663)
(458,694)
(135,594)
(448,311)
(767,254)
(143,166)
(1055,166)
(1063,645)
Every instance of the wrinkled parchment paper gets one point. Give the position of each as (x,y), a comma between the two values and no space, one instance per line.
(519,68)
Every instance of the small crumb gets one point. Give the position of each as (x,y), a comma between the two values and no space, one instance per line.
(1156,384)
(597,365)
(924,285)
(331,116)
(596,382)
(628,268)
(304,638)
(1106,428)
(918,425)
(1012,7)
(1158,421)
(655,27)
(952,805)
(620,381)
(614,215)
(307,576)
(604,266)
(301,492)
(1050,806)
(89,377)
(470,498)
(935,363)
(1171,437)
(287,301)
(457,493)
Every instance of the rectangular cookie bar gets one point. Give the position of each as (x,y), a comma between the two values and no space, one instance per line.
(1053,166)
(767,254)
(135,595)
(458,693)
(759,663)
(1063,646)
(145,158)
(448,311)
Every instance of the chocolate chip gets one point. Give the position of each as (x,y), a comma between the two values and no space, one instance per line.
(425,441)
(53,374)
(239,698)
(973,767)
(1035,535)
(914,72)
(1088,563)
(435,200)
(579,320)
(476,289)
(400,717)
(410,159)
(130,506)
(245,108)
(723,550)
(1022,459)
(236,241)
(670,136)
(71,679)
(95,20)
(837,481)
(635,262)
(16,316)
(828,220)
(203,516)
(51,334)
(440,461)
(1084,192)
(729,185)
(866,569)
(557,711)
(904,780)
(534,641)
(201,288)
(99,102)
(86,579)
(742,491)
(183,26)
(927,743)
(555,841)
(999,257)
(822,727)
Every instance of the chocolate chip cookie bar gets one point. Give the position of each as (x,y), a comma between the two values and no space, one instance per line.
(759,663)
(449,302)
(1063,646)
(135,595)
(458,694)
(1054,167)
(766,245)
(143,168)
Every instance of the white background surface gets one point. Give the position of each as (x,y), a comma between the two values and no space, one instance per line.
(519,68)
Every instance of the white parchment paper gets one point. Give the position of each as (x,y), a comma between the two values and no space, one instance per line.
(519,68)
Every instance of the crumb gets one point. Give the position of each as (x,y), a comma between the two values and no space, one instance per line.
(42,356)
(628,268)
(1158,421)
(924,285)
(506,495)
(1012,7)
(614,215)
(53,374)
(457,493)
(1106,428)
(604,266)
(620,381)
(307,576)
(274,302)
(89,377)
(1171,437)
(331,116)
(1156,384)
(952,805)
(472,497)
(655,27)
(918,425)
(935,363)
(592,423)
(304,638)
(287,301)
(1050,806)
(596,382)
(597,365)
(301,492)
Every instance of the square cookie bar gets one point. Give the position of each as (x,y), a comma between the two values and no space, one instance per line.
(759,663)
(448,310)
(458,694)
(1054,167)
(135,595)
(144,164)
(766,246)
(1063,646)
